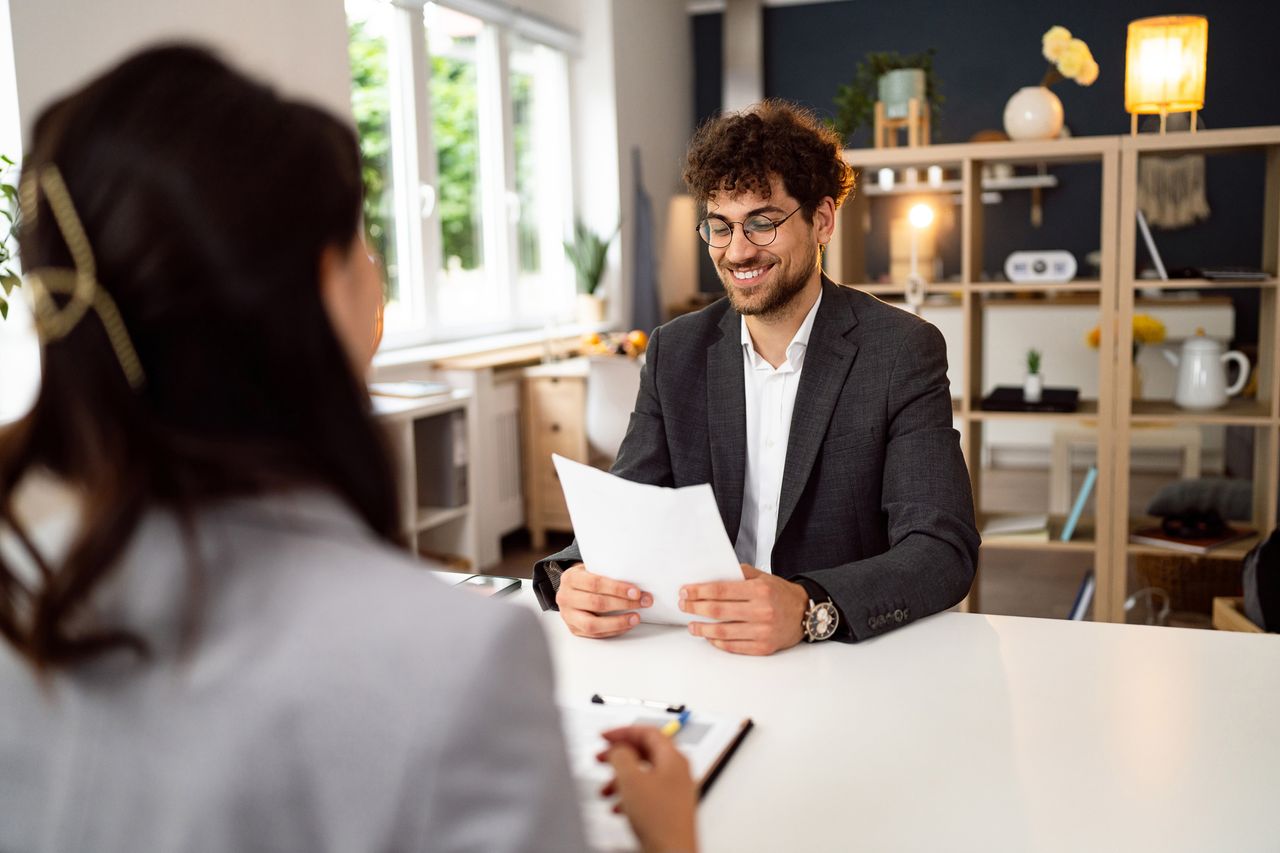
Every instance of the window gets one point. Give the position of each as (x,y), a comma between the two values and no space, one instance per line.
(462,124)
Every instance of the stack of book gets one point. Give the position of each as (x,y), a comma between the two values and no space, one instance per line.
(1156,536)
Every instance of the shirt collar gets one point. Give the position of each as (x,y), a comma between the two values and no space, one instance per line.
(795,349)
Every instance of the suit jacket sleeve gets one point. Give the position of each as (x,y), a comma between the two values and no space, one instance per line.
(643,458)
(927,501)
(501,779)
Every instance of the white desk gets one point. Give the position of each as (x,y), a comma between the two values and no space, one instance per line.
(972,732)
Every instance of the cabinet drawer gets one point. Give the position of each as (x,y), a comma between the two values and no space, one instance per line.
(557,402)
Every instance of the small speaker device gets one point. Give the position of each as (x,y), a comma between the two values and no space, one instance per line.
(1046,267)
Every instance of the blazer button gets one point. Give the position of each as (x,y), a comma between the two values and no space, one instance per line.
(871,623)
(897,616)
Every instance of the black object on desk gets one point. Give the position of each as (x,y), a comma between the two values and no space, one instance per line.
(1008,399)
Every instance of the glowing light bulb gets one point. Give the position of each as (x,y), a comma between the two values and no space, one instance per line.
(920,215)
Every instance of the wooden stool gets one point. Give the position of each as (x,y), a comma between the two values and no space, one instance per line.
(916,124)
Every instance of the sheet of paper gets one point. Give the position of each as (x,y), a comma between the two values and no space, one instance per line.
(654,537)
(703,740)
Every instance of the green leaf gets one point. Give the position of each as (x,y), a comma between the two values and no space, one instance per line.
(4,309)
(9,281)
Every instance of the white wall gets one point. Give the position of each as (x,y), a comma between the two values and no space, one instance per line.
(653,59)
(298,45)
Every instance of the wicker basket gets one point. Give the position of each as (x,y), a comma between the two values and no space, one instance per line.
(1192,581)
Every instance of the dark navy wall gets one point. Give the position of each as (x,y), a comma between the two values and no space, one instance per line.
(985,52)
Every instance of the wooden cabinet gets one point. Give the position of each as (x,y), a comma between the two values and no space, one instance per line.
(553,421)
(1107,166)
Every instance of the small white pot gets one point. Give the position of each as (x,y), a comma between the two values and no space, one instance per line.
(1033,113)
(590,309)
(1033,388)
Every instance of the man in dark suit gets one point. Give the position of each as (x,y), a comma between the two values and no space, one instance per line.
(820,416)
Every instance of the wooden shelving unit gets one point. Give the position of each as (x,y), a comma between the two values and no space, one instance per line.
(1116,293)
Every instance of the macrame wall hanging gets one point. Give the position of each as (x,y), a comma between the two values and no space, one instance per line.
(1171,190)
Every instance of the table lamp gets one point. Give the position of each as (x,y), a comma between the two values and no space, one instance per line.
(920,216)
(1164,67)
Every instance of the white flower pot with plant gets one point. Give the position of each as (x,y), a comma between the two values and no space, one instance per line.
(1033,385)
(587,253)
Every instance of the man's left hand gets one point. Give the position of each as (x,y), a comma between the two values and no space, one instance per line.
(760,615)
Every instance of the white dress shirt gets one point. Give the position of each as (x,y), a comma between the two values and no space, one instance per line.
(771,399)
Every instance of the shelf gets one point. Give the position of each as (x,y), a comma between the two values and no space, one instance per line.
(1237,412)
(1074,150)
(1203,141)
(1199,284)
(1081,542)
(1083,285)
(1088,410)
(1017,182)
(433,516)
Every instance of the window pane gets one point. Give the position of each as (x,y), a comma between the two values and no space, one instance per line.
(369,23)
(539,101)
(462,298)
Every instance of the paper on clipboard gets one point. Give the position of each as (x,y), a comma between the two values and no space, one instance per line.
(655,537)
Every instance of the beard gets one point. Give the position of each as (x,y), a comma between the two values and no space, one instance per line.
(784,288)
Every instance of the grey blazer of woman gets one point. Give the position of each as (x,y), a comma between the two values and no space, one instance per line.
(333,696)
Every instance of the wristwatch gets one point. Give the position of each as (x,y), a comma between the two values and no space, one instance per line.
(820,621)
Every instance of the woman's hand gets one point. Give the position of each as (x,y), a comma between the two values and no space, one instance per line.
(654,788)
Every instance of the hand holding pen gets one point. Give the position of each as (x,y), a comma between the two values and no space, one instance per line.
(654,787)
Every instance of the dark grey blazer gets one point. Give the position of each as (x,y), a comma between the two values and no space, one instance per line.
(876,505)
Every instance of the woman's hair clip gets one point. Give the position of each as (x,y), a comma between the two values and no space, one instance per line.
(81,283)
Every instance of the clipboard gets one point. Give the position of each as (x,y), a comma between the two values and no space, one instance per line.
(708,741)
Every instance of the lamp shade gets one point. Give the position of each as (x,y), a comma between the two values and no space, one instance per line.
(1165,64)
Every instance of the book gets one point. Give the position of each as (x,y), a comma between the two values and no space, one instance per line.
(1021,528)
(1006,398)
(1084,597)
(1155,535)
(1069,529)
(708,741)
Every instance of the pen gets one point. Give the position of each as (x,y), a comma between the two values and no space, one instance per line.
(628,700)
(673,728)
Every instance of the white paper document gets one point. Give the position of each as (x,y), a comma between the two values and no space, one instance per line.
(654,537)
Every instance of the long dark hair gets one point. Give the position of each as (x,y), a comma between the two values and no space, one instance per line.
(207,201)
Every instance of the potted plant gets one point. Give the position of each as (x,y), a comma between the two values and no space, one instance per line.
(889,77)
(587,253)
(1033,385)
(9,278)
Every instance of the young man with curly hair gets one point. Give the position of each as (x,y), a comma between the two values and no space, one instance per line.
(820,416)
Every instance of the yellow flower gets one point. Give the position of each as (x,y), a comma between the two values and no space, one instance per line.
(1055,41)
(1147,329)
(1088,74)
(1074,58)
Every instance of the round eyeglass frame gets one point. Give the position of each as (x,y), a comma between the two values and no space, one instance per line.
(773,234)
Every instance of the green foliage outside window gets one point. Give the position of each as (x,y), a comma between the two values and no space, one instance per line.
(370,97)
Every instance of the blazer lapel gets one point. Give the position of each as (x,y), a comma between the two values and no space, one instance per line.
(827,361)
(727,420)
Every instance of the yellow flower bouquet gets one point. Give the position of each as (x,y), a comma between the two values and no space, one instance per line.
(1069,58)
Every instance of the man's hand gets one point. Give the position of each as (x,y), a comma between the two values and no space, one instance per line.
(655,789)
(584,597)
(758,616)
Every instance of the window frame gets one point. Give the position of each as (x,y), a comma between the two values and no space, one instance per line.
(413,164)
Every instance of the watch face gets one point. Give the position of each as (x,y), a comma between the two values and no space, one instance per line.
(822,620)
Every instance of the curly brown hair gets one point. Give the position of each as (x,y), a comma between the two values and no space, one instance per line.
(738,153)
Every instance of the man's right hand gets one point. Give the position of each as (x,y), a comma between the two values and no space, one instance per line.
(584,597)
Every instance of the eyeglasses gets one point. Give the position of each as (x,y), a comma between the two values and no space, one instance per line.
(760,230)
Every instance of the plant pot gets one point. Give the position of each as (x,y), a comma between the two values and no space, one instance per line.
(895,90)
(1033,113)
(590,309)
(1033,387)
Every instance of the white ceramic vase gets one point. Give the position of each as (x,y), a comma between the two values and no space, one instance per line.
(1033,112)
(1033,388)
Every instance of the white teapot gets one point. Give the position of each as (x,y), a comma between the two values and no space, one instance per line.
(1202,373)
